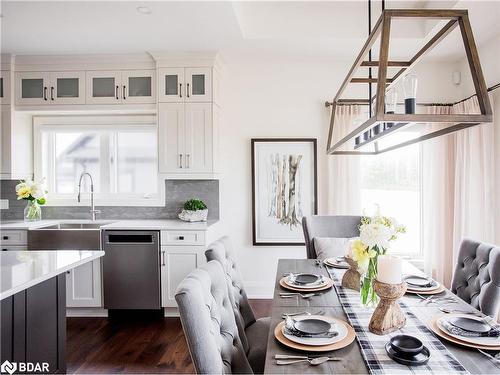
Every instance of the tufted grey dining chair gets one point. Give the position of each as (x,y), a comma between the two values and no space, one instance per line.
(253,332)
(340,226)
(476,279)
(208,321)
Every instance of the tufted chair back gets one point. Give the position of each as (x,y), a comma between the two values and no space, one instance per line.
(208,321)
(477,276)
(222,251)
(339,226)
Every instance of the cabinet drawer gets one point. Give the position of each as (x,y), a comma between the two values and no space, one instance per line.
(14,237)
(14,248)
(182,238)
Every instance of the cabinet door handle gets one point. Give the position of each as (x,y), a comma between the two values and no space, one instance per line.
(52,93)
(180,90)
(180,160)
(163,258)
(181,238)
(45,93)
(124,91)
(187,90)
(188,160)
(117,93)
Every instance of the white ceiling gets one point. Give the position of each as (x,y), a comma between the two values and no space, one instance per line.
(334,29)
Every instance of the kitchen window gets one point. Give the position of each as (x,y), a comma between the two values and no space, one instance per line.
(392,180)
(120,152)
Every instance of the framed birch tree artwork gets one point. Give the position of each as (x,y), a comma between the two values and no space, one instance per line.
(284,189)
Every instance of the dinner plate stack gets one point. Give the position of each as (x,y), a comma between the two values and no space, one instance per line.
(422,285)
(314,333)
(466,330)
(306,282)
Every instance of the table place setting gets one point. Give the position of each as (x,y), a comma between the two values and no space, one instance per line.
(304,283)
(418,284)
(337,262)
(314,333)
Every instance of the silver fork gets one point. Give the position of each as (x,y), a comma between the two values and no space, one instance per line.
(303,295)
(495,358)
(321,312)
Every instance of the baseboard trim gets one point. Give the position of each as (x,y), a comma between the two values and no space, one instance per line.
(82,312)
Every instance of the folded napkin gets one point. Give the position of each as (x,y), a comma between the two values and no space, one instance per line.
(493,332)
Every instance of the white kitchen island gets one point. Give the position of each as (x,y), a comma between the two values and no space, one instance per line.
(33,305)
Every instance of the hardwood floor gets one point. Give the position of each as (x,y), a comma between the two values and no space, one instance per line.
(132,343)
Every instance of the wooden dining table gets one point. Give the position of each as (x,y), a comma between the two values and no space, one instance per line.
(352,360)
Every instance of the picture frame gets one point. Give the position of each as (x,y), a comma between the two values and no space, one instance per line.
(284,189)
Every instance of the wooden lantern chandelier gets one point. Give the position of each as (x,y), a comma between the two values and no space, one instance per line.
(411,128)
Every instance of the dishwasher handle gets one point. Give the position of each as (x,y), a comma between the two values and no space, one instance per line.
(131,238)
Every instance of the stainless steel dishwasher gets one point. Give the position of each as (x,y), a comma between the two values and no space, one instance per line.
(131,269)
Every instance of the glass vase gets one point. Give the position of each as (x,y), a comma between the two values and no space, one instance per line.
(368,296)
(32,211)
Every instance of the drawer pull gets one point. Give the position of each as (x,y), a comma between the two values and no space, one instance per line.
(5,237)
(4,249)
(181,238)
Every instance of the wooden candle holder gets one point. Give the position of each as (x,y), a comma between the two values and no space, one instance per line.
(352,277)
(387,316)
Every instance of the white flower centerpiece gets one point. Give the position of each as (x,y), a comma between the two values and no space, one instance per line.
(34,193)
(375,236)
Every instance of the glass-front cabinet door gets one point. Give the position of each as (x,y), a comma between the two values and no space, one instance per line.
(67,88)
(32,88)
(138,86)
(172,88)
(198,84)
(4,87)
(103,87)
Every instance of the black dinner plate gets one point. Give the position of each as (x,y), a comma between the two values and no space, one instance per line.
(306,278)
(312,326)
(418,281)
(406,344)
(469,324)
(416,360)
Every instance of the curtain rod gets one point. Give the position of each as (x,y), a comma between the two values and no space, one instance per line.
(366,101)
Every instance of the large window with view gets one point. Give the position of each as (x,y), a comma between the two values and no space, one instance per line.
(392,181)
(120,154)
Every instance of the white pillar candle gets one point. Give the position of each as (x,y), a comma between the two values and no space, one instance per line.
(389,269)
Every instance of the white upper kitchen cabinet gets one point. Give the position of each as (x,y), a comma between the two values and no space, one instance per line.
(4,87)
(5,142)
(188,85)
(138,86)
(187,141)
(198,138)
(171,85)
(32,88)
(121,87)
(47,88)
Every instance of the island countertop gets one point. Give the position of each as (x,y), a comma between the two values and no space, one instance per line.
(21,270)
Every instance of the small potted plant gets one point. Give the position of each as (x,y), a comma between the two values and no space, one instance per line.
(194,210)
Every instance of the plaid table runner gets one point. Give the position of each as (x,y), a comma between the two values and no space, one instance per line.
(373,346)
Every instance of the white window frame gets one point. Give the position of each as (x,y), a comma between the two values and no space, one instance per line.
(94,122)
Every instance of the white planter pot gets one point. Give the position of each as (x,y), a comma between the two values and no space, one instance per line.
(188,215)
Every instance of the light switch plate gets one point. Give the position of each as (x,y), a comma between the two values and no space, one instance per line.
(4,204)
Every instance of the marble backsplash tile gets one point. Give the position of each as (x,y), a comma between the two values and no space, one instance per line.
(176,193)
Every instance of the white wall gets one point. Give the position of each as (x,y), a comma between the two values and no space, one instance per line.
(272,98)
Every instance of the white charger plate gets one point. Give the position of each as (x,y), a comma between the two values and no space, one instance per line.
(341,329)
(487,341)
(315,285)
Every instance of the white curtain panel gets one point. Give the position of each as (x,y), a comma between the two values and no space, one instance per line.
(344,197)
(458,181)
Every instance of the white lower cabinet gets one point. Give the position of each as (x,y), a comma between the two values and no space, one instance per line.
(83,285)
(177,263)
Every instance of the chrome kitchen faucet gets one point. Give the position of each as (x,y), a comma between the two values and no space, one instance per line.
(93,211)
